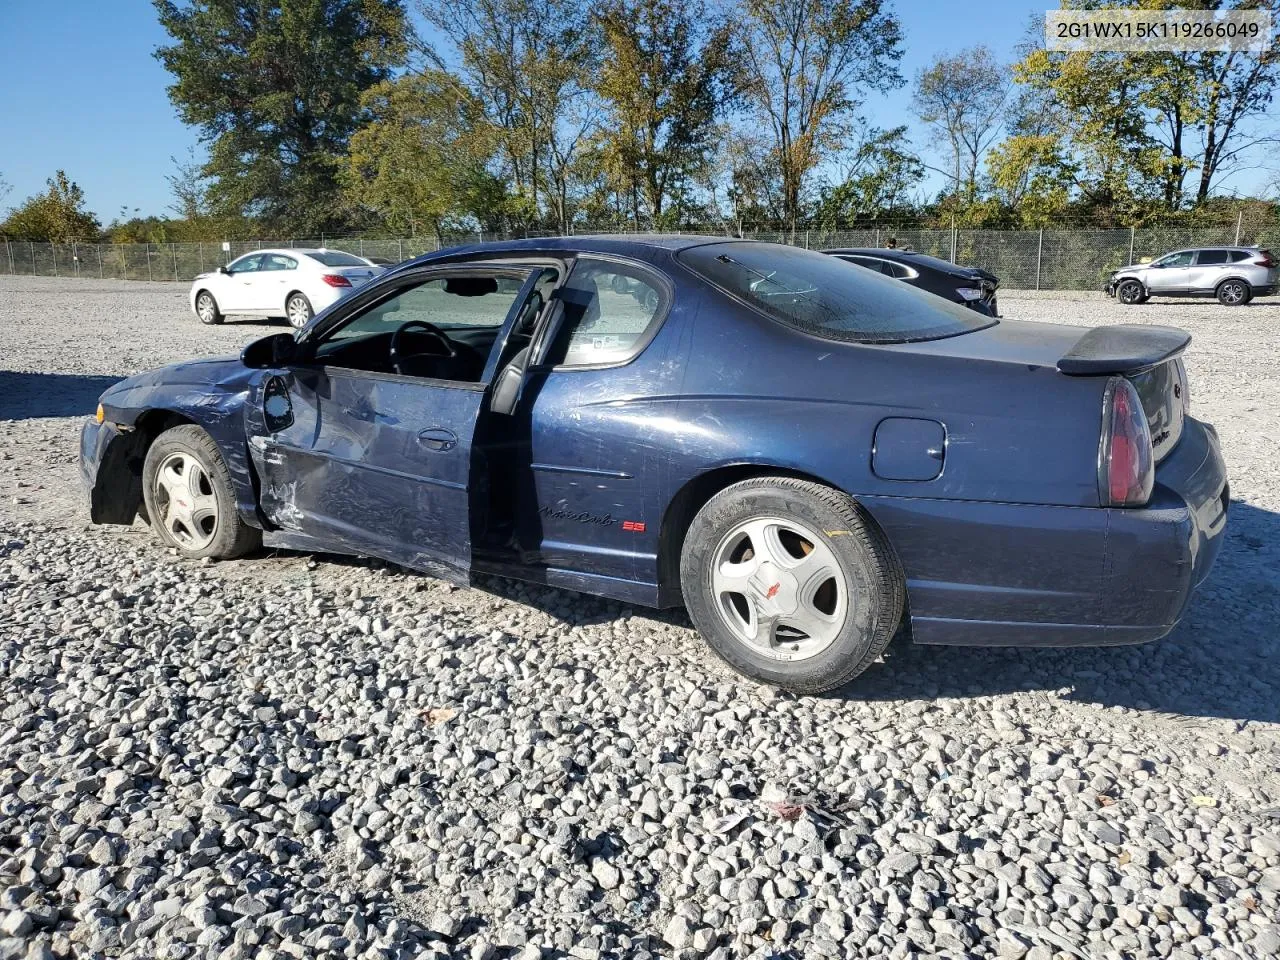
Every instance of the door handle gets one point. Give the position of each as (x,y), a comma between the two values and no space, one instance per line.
(438,438)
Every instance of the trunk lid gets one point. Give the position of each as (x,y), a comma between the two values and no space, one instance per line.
(356,275)
(1163,392)
(1146,355)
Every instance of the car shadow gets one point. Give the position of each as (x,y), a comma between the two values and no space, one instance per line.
(25,396)
(1220,661)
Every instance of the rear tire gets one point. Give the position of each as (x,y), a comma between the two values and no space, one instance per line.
(790,584)
(298,309)
(190,501)
(1234,293)
(1131,292)
(207,308)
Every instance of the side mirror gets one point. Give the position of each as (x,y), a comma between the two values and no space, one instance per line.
(273,351)
(507,386)
(223,270)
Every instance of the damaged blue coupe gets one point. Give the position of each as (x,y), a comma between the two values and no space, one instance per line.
(805,454)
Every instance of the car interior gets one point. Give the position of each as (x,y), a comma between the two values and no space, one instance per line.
(443,328)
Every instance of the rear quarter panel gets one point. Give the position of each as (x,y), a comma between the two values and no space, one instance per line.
(758,392)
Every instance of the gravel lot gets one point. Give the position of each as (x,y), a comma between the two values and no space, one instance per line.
(296,756)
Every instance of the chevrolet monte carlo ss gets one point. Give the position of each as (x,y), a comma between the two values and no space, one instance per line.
(805,455)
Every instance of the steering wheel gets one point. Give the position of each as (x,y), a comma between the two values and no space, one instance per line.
(428,328)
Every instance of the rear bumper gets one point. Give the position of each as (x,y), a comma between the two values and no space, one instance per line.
(1265,290)
(989,574)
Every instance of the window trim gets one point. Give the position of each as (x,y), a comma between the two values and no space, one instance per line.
(280,256)
(369,299)
(911,274)
(231,271)
(666,299)
(761,312)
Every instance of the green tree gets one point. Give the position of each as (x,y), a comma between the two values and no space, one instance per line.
(57,215)
(275,88)
(667,78)
(420,160)
(808,64)
(878,178)
(962,99)
(530,64)
(1130,129)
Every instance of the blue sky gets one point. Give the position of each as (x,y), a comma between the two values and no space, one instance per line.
(83,92)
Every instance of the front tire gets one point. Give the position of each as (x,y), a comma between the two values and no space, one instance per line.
(189,498)
(1234,293)
(298,309)
(790,584)
(207,308)
(1131,292)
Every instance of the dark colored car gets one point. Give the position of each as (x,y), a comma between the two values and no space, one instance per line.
(803,454)
(974,287)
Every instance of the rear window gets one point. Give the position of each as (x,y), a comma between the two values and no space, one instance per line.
(335,258)
(820,295)
(1238,255)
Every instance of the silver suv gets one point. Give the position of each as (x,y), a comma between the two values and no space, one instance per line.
(1235,275)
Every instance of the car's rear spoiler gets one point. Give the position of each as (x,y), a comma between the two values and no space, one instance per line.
(1126,348)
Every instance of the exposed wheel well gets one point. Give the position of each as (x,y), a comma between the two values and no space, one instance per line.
(690,498)
(121,468)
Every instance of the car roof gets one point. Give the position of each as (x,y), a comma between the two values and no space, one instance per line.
(875,252)
(641,246)
(1209,247)
(296,251)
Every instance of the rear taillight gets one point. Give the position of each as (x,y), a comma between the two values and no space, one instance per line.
(1265,259)
(1126,461)
(335,280)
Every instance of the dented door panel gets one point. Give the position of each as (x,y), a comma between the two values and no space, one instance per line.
(374,464)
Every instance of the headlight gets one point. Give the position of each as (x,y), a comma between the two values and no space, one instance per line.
(969,293)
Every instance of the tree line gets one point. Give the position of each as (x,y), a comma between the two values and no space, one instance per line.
(332,117)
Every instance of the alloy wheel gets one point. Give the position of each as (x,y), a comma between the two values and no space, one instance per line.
(1232,292)
(779,588)
(186,501)
(204,308)
(299,312)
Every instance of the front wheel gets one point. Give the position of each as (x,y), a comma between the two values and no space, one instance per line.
(1130,292)
(1234,293)
(790,583)
(298,309)
(190,502)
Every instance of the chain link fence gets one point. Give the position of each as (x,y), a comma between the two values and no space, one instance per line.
(1050,259)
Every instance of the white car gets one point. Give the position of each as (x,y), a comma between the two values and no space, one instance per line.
(297,284)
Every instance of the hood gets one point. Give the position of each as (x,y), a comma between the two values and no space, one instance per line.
(198,382)
(1129,270)
(1024,342)
(208,372)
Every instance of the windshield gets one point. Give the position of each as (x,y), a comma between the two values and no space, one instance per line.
(827,297)
(333,258)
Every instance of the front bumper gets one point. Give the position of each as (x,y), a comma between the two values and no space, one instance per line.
(111,483)
(1000,574)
